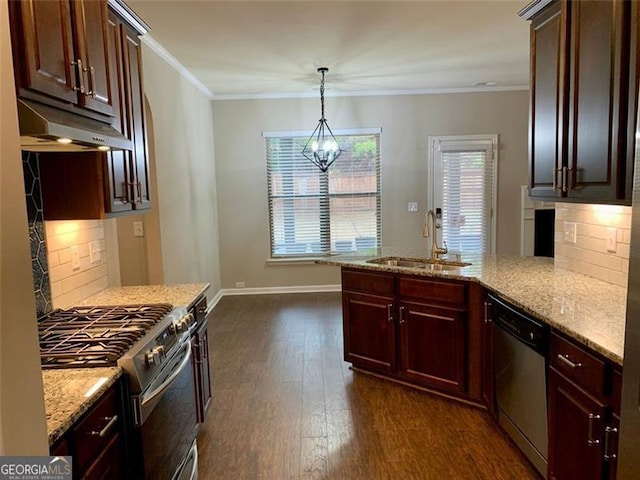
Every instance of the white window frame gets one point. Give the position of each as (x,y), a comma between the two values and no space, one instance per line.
(489,142)
(305,134)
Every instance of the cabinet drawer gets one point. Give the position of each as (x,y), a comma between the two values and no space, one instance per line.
(575,363)
(359,281)
(95,431)
(438,291)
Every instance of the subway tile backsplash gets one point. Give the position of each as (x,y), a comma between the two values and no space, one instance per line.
(69,284)
(589,254)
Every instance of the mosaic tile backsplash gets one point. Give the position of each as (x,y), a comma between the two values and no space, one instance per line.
(39,262)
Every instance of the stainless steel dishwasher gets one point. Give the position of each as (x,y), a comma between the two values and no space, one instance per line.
(520,348)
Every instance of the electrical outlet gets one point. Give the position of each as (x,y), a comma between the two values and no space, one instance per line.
(412,206)
(75,258)
(138,229)
(239,284)
(570,232)
(95,256)
(612,239)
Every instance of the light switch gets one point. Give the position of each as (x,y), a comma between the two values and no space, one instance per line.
(612,239)
(412,206)
(138,229)
(570,232)
(95,256)
(75,258)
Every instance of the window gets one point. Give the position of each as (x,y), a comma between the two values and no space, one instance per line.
(313,213)
(463,173)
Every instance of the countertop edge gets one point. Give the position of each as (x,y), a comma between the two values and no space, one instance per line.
(460,275)
(56,433)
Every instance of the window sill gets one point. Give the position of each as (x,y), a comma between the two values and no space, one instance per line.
(295,261)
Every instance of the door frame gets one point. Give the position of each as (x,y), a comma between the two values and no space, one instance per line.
(488,141)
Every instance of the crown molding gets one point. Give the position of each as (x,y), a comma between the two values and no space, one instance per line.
(425,91)
(171,60)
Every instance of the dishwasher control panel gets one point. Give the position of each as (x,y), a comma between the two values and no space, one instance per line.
(525,328)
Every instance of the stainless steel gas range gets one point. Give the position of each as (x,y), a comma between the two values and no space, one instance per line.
(152,344)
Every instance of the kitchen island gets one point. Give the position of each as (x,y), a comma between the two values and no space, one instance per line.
(591,311)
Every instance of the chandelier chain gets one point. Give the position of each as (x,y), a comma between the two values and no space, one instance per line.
(322,95)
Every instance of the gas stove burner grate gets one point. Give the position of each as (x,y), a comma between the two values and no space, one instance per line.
(94,336)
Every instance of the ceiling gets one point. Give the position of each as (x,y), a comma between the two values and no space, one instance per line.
(241,49)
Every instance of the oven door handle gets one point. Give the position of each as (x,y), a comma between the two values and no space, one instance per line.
(148,398)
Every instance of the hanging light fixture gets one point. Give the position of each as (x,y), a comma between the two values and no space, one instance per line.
(322,147)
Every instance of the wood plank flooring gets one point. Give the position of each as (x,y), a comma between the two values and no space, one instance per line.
(285,406)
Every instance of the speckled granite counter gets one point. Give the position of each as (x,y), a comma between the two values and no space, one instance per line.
(184,294)
(589,310)
(65,389)
(65,394)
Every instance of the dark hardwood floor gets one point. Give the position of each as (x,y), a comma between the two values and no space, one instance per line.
(285,406)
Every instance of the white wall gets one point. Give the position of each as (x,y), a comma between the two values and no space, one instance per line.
(22,417)
(406,121)
(182,227)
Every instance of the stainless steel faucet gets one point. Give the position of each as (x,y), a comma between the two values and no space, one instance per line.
(427,232)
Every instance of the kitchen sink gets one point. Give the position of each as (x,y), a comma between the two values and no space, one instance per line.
(428,264)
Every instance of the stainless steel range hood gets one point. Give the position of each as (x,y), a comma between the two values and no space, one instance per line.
(42,127)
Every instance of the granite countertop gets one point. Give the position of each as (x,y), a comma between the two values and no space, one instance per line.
(184,294)
(70,392)
(65,389)
(588,310)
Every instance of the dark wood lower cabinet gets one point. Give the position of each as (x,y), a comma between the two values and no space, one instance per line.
(95,441)
(407,327)
(369,331)
(432,345)
(200,358)
(576,429)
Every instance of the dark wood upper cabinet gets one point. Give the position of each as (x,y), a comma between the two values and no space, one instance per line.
(61,50)
(579,147)
(94,45)
(42,40)
(132,55)
(106,184)
(547,101)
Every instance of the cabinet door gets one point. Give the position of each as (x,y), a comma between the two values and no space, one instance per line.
(108,465)
(576,431)
(597,106)
(135,98)
(547,102)
(432,345)
(117,162)
(94,46)
(611,447)
(369,331)
(43,48)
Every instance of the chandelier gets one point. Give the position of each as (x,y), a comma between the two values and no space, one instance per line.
(322,147)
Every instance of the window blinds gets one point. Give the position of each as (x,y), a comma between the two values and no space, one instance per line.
(313,213)
(467,196)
